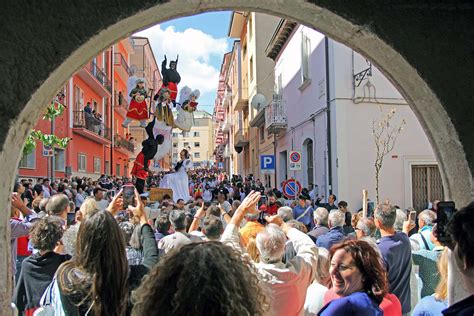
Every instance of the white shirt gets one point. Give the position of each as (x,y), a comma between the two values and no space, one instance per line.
(207,196)
(102,204)
(314,299)
(288,282)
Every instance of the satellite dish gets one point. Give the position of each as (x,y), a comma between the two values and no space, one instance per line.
(259,101)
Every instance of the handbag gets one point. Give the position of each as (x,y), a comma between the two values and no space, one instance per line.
(46,302)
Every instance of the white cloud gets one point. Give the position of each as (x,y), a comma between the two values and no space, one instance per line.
(195,49)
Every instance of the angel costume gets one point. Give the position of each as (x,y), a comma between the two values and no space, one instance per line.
(178,181)
(186,107)
(164,125)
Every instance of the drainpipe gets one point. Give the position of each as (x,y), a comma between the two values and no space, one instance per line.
(328,114)
(112,129)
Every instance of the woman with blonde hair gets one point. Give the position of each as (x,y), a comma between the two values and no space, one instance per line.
(434,304)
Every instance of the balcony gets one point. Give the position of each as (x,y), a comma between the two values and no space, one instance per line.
(241,99)
(121,104)
(124,145)
(96,79)
(87,125)
(241,137)
(122,66)
(275,115)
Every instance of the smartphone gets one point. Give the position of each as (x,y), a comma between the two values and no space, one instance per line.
(412,216)
(128,192)
(71,219)
(444,214)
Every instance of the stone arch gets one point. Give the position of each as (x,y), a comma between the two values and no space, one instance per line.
(353,26)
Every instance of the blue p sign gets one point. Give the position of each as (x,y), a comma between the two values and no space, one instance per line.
(267,162)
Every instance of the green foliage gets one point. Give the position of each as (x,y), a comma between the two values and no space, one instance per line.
(52,111)
(48,140)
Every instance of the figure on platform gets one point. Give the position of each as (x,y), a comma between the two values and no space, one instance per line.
(138,108)
(186,107)
(171,79)
(150,146)
(164,122)
(178,181)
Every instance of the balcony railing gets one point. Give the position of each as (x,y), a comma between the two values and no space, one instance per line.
(241,137)
(120,141)
(86,120)
(99,75)
(119,60)
(275,115)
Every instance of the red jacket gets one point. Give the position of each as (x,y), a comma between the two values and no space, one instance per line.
(138,167)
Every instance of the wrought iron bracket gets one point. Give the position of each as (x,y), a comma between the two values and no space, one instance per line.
(360,76)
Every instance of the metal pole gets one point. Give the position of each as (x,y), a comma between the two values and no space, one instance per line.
(52,157)
(274,157)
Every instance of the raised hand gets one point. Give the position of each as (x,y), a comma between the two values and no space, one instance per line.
(139,210)
(275,219)
(250,202)
(116,205)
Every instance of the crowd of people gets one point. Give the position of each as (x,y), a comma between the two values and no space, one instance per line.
(235,248)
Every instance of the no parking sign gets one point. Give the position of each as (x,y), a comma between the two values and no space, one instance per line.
(295,160)
(292,189)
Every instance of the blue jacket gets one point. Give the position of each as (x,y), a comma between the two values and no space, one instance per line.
(333,236)
(307,218)
(358,303)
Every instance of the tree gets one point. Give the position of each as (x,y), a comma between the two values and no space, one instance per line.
(385,137)
(52,111)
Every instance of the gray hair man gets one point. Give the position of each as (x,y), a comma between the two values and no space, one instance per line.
(336,232)
(288,281)
(396,253)
(58,205)
(179,238)
(320,216)
(422,239)
(286,213)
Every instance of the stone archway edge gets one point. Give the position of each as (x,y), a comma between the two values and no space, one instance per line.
(434,119)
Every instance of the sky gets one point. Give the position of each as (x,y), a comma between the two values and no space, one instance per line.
(201,42)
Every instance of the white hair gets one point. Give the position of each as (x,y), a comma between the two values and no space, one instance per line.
(286,213)
(399,219)
(321,216)
(428,217)
(337,218)
(271,243)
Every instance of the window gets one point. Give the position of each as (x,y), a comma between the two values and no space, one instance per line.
(196,134)
(261,133)
(175,134)
(81,162)
(28,161)
(97,165)
(117,170)
(185,134)
(251,69)
(107,167)
(305,52)
(197,155)
(279,84)
(186,144)
(197,144)
(59,162)
(250,27)
(427,185)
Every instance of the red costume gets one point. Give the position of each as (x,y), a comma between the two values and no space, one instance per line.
(138,110)
(173,89)
(138,167)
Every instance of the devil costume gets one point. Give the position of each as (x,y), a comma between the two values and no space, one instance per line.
(171,78)
(149,148)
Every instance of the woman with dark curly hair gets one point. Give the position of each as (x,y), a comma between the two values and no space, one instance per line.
(38,270)
(201,279)
(357,275)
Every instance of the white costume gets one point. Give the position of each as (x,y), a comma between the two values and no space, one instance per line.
(178,182)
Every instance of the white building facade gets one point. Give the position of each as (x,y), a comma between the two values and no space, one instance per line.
(331,92)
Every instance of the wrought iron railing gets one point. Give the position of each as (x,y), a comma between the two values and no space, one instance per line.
(99,75)
(120,60)
(120,141)
(275,114)
(87,120)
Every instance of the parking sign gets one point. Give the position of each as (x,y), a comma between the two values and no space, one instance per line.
(295,160)
(267,163)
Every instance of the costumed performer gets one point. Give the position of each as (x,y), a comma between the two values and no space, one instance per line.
(138,107)
(164,122)
(178,181)
(141,165)
(171,79)
(186,107)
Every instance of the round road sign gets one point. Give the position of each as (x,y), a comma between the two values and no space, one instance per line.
(292,189)
(295,156)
